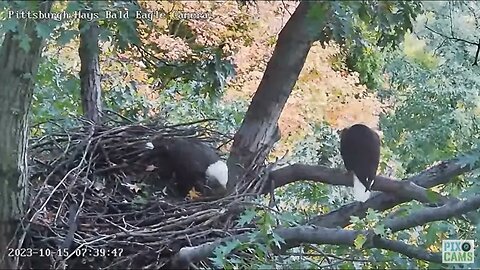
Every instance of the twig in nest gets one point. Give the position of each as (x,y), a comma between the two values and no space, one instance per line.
(114,215)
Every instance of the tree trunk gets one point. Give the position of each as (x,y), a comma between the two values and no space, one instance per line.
(90,87)
(17,71)
(259,129)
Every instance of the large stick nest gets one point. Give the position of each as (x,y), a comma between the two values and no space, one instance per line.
(96,196)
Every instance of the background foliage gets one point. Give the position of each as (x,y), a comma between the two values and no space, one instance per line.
(423,94)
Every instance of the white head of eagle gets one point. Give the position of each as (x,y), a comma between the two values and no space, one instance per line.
(195,164)
(360,150)
(217,173)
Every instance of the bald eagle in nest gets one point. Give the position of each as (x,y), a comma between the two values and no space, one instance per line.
(360,150)
(194,164)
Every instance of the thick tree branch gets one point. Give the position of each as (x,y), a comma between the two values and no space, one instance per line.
(436,175)
(18,67)
(319,235)
(259,128)
(90,87)
(312,235)
(426,215)
(322,174)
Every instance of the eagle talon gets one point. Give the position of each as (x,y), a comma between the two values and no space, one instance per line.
(193,194)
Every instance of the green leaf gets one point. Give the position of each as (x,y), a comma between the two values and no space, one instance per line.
(230,246)
(290,218)
(354,219)
(431,235)
(346,265)
(261,249)
(66,36)
(359,241)
(379,229)
(278,240)
(9,25)
(24,42)
(252,237)
(470,159)
(363,13)
(45,29)
(217,260)
(247,216)
(317,15)
(371,215)
(222,251)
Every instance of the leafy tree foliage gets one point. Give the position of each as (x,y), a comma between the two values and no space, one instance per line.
(434,88)
(366,29)
(176,50)
(56,94)
(321,147)
(168,68)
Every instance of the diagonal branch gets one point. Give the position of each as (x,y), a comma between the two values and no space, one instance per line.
(312,235)
(436,175)
(327,233)
(450,209)
(260,123)
(320,235)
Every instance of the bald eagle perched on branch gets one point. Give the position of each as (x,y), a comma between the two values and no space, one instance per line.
(360,150)
(195,165)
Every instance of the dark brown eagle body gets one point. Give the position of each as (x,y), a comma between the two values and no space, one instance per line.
(360,150)
(194,163)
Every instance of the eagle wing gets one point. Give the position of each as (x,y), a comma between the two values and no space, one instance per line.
(360,150)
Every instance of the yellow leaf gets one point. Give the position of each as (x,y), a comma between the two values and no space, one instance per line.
(359,241)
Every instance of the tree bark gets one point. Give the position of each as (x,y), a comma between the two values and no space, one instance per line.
(434,176)
(90,71)
(325,227)
(17,71)
(258,132)
(337,177)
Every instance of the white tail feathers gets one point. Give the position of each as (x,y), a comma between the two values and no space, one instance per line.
(359,192)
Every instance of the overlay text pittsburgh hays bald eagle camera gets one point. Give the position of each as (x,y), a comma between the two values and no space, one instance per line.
(360,150)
